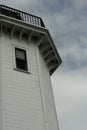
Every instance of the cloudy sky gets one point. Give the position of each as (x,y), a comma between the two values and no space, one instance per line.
(67,22)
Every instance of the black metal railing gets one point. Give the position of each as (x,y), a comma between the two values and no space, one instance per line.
(20,15)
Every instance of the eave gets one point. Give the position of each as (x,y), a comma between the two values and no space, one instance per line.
(39,34)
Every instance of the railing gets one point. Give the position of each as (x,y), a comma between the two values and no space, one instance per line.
(20,15)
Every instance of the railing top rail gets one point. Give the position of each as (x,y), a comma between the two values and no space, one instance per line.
(18,11)
(25,13)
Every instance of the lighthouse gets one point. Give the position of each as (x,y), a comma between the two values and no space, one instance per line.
(28,58)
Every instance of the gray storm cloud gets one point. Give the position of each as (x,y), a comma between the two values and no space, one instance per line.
(67,22)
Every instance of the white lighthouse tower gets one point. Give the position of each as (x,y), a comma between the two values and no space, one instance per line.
(28,58)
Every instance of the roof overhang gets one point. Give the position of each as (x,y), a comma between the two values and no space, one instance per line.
(32,32)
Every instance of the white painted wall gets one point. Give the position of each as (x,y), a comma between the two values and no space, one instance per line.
(28,102)
(0,83)
(21,91)
(47,95)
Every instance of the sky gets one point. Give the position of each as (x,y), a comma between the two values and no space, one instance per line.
(67,23)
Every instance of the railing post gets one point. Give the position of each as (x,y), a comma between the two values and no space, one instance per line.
(42,23)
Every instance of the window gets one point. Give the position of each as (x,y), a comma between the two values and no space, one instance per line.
(21,59)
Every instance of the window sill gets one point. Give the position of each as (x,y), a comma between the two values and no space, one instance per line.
(24,71)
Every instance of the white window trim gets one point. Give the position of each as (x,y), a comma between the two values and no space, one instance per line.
(14,58)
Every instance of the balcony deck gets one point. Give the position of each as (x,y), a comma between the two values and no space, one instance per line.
(20,15)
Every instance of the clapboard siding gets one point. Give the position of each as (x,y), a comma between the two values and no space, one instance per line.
(47,95)
(0,83)
(26,98)
(21,91)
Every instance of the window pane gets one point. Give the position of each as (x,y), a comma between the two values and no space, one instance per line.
(21,64)
(20,54)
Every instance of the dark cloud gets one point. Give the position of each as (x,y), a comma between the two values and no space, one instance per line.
(62,4)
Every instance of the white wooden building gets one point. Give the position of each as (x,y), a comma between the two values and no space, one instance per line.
(28,58)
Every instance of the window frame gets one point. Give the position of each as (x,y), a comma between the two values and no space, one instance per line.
(14,58)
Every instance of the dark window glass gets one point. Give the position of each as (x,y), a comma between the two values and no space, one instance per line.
(21,60)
